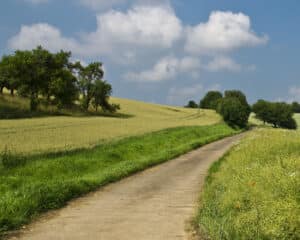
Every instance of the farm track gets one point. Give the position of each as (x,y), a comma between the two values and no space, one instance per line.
(154,204)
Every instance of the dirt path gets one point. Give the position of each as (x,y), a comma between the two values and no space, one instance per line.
(154,204)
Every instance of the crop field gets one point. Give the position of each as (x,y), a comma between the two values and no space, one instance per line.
(60,133)
(253,192)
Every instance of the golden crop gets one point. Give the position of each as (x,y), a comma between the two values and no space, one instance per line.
(48,134)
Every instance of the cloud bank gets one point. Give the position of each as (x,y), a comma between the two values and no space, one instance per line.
(153,36)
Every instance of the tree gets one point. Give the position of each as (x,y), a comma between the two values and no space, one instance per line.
(31,70)
(63,88)
(192,104)
(211,100)
(87,77)
(296,107)
(234,113)
(279,114)
(101,93)
(262,110)
(3,75)
(8,78)
(240,96)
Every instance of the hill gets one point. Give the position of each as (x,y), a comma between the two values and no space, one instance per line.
(57,133)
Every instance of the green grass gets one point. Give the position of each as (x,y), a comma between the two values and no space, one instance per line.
(47,182)
(297,117)
(56,133)
(253,191)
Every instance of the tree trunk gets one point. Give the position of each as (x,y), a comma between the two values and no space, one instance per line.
(12,91)
(1,90)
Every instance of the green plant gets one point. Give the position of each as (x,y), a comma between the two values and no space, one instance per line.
(234,113)
(49,181)
(10,160)
(253,191)
(211,100)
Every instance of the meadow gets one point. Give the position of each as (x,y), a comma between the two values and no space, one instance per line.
(253,192)
(297,117)
(61,133)
(29,187)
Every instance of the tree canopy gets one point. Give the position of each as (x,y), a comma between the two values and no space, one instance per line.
(192,104)
(211,100)
(279,114)
(52,77)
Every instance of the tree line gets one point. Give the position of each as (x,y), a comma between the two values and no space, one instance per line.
(235,109)
(54,79)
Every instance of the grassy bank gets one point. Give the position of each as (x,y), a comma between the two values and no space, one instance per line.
(49,134)
(48,182)
(253,192)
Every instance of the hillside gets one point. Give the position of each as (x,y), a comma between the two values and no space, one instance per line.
(55,133)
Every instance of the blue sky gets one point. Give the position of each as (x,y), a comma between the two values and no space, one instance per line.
(169,51)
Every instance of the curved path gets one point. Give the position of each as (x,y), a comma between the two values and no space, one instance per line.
(154,204)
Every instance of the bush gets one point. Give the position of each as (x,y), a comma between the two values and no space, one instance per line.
(192,104)
(279,114)
(296,107)
(289,124)
(211,100)
(240,96)
(234,113)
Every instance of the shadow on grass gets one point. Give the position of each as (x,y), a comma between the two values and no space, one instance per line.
(16,108)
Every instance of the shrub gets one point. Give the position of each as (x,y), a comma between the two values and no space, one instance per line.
(192,104)
(279,114)
(234,113)
(211,100)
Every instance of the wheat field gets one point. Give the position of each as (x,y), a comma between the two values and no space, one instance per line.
(50,134)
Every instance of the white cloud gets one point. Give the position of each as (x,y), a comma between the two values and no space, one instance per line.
(165,69)
(181,95)
(223,63)
(223,32)
(142,26)
(294,93)
(147,33)
(139,29)
(41,34)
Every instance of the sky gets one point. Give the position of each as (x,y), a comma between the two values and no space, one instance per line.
(168,51)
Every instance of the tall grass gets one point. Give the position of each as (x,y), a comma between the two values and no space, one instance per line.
(48,182)
(254,191)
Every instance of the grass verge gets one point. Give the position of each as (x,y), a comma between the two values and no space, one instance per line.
(49,182)
(253,191)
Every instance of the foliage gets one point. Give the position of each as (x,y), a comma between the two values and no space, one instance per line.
(279,114)
(52,78)
(296,107)
(253,192)
(262,111)
(192,104)
(87,77)
(234,112)
(101,93)
(211,100)
(52,180)
(240,96)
